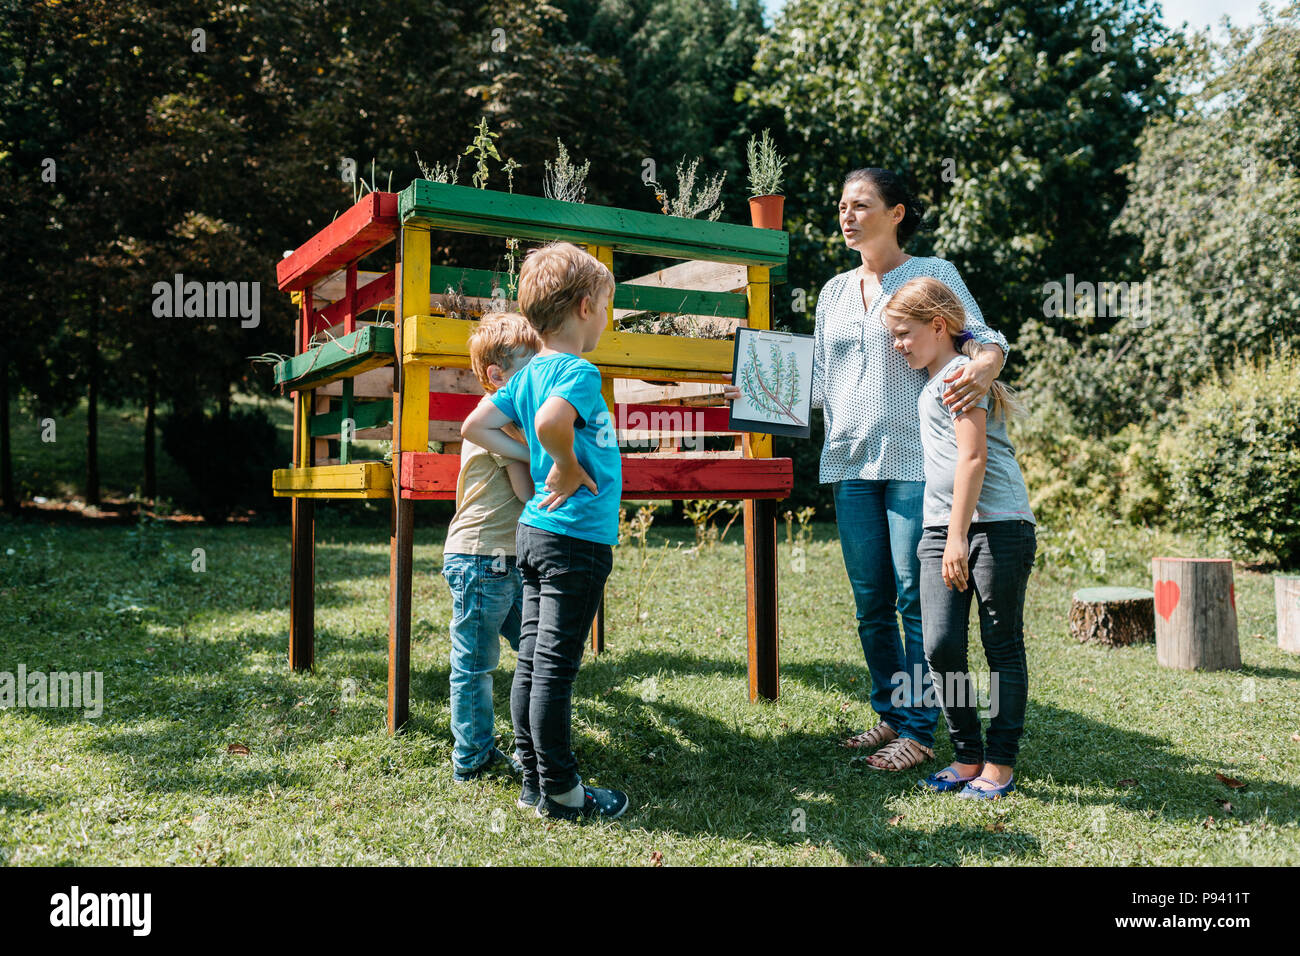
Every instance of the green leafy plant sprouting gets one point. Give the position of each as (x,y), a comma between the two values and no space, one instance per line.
(701,511)
(360,187)
(638,529)
(563,180)
(439,173)
(773,388)
(688,204)
(765,166)
(804,517)
(482,149)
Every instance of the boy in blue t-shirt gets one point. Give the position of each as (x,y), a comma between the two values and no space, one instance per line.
(564,543)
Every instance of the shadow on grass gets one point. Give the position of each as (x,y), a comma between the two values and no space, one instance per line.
(690,773)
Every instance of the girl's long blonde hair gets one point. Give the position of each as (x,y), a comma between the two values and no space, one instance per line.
(924,299)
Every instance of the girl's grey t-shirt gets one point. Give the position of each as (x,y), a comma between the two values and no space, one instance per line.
(1003,496)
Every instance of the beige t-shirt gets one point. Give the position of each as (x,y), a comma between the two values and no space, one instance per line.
(487,508)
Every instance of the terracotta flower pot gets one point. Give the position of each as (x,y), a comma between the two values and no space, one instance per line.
(765,211)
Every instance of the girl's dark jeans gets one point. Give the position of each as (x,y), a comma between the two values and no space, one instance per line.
(1001,556)
(564,578)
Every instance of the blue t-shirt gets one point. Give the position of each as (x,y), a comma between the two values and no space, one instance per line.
(595,443)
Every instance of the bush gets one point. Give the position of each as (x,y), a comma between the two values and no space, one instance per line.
(228,459)
(1233,463)
(1071,474)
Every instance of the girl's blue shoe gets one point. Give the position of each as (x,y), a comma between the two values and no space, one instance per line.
(975,793)
(941,784)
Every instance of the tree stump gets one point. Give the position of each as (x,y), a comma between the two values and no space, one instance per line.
(1196,614)
(1286,589)
(1115,617)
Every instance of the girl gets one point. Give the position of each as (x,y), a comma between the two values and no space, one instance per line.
(978,530)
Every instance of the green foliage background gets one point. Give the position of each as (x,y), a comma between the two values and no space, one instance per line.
(1084,139)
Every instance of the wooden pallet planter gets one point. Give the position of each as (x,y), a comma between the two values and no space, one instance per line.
(366,348)
(488,212)
(362,479)
(368,226)
(432,476)
(438,340)
(727,274)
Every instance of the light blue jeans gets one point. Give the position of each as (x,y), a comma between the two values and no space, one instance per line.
(486,605)
(880,527)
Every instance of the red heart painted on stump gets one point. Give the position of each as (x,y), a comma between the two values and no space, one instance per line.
(1167,595)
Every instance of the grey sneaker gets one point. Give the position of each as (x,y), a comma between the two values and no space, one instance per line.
(597,802)
(495,759)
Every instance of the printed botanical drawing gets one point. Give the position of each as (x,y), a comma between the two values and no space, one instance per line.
(773,388)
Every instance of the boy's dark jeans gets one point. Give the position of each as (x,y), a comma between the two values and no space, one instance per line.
(563,581)
(1001,556)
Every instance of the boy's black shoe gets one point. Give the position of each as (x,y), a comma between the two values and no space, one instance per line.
(529,797)
(495,759)
(596,802)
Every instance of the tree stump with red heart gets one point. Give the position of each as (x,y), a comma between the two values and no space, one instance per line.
(1115,617)
(1286,591)
(1196,614)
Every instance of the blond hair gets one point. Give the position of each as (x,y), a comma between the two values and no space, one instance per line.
(498,336)
(553,280)
(924,299)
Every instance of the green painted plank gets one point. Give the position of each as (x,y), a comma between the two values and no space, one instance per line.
(479,282)
(493,213)
(364,415)
(366,348)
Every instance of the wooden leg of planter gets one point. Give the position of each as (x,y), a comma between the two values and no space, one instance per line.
(401,542)
(302,588)
(760,594)
(302,559)
(598,627)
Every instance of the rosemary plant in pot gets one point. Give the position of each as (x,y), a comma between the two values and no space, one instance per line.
(766,203)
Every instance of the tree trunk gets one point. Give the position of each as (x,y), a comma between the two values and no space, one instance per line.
(1286,590)
(1115,617)
(1196,614)
(150,442)
(6,454)
(92,409)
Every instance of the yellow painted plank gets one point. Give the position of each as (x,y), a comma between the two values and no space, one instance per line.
(758,292)
(414,427)
(605,254)
(363,479)
(433,340)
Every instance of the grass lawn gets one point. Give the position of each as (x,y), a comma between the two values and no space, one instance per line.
(1118,762)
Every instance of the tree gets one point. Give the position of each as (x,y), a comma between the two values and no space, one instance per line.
(1215,200)
(1012,121)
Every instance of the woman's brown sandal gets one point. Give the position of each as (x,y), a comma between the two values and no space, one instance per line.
(903,753)
(882,733)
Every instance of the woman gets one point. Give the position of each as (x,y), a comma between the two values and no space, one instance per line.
(872,453)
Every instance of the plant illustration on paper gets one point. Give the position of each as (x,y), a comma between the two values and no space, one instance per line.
(773,387)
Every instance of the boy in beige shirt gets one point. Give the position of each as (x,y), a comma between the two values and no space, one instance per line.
(479,555)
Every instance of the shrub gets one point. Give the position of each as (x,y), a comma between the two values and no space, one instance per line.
(1233,462)
(228,459)
(1071,474)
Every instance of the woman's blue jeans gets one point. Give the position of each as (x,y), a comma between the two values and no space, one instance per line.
(880,527)
(487,596)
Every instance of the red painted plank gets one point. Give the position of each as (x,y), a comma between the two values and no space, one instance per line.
(368,296)
(667,419)
(430,475)
(675,476)
(369,225)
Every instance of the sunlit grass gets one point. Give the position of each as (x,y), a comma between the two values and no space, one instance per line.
(1118,761)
